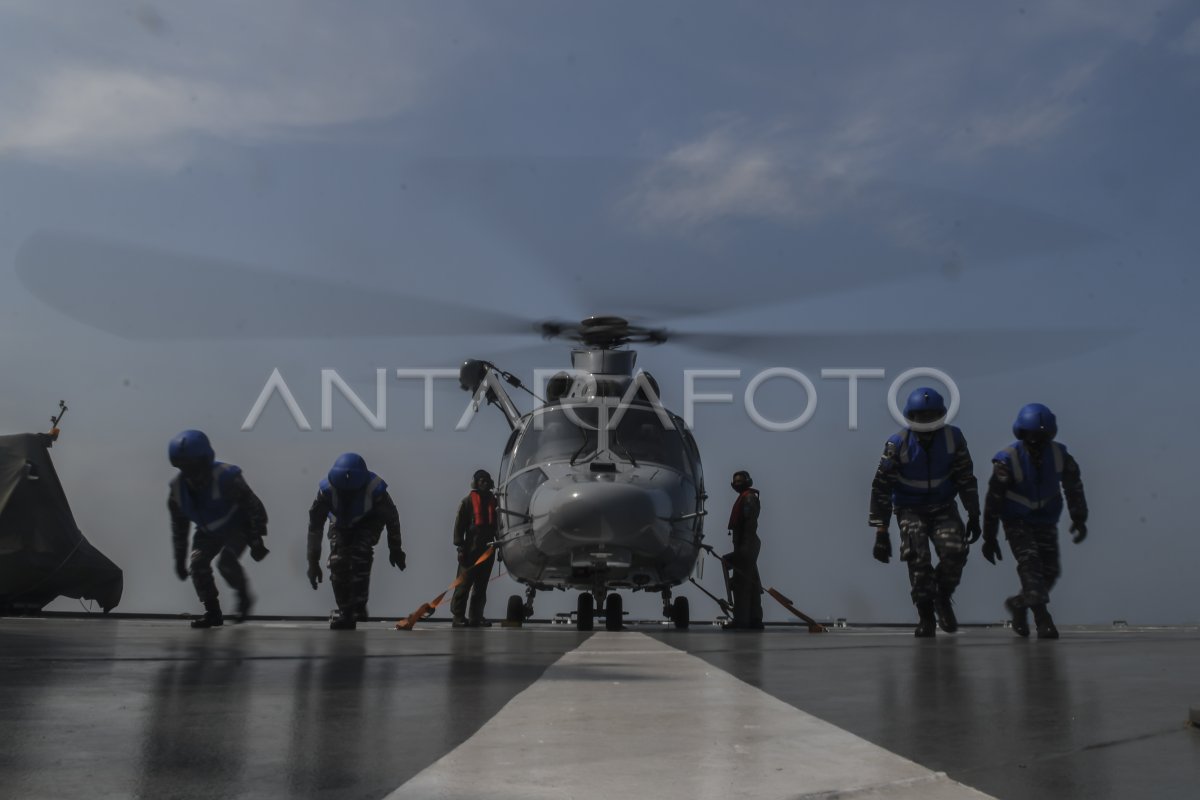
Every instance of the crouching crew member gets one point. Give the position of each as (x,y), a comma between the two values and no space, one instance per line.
(357,504)
(228,517)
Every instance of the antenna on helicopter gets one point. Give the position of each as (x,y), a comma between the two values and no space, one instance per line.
(62,410)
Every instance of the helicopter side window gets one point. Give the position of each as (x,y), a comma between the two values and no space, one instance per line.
(693,452)
(506,459)
(560,438)
(640,436)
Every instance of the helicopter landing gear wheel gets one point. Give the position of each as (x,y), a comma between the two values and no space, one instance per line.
(613,612)
(681,613)
(584,612)
(516,609)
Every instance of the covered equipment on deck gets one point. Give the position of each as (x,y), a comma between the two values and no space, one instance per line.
(43,554)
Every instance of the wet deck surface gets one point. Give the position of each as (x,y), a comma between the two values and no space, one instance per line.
(103,708)
(1095,714)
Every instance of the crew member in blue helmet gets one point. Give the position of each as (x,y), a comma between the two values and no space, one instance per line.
(228,517)
(357,504)
(1029,478)
(476,526)
(923,469)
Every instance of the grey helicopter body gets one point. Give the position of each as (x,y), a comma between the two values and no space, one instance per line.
(601,489)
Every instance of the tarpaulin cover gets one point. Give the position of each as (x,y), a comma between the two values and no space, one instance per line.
(43,554)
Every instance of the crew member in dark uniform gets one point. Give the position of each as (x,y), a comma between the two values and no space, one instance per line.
(228,517)
(475,529)
(743,527)
(357,504)
(1029,478)
(922,470)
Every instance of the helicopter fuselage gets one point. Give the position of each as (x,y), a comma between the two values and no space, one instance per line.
(594,497)
(602,487)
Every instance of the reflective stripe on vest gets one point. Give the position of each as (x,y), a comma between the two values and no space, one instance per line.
(906,457)
(211,500)
(350,515)
(1018,474)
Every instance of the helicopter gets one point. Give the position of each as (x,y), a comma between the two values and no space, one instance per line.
(601,489)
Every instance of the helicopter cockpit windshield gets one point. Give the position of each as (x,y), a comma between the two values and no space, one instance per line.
(639,436)
(570,434)
(556,435)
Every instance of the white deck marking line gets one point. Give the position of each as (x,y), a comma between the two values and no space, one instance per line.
(624,716)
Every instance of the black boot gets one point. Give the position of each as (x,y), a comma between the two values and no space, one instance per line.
(1044,622)
(1020,620)
(927,627)
(361,614)
(343,622)
(944,607)
(245,603)
(212,616)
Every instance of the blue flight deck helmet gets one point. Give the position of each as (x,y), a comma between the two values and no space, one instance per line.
(1035,422)
(349,472)
(924,405)
(191,450)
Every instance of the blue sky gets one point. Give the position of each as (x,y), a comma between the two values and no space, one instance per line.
(976,178)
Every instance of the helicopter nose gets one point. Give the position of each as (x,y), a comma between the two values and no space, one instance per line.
(609,512)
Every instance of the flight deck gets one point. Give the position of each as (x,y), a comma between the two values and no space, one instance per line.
(97,708)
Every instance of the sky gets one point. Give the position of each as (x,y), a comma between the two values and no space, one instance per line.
(194,196)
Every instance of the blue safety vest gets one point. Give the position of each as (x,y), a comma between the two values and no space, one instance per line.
(347,509)
(923,474)
(1035,493)
(211,508)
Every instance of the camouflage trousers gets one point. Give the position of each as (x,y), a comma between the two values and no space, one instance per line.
(941,527)
(1035,549)
(205,547)
(351,555)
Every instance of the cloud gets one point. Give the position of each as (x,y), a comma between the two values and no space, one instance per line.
(950,94)
(1188,43)
(719,174)
(1030,119)
(147,87)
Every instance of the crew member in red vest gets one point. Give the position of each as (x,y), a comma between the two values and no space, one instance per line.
(743,527)
(475,528)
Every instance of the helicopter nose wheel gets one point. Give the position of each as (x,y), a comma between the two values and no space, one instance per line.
(519,610)
(585,612)
(681,613)
(613,613)
(516,609)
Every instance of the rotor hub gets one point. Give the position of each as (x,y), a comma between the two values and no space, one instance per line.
(603,332)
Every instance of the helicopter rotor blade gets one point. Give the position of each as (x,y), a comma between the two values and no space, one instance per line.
(625,226)
(620,227)
(143,293)
(968,352)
